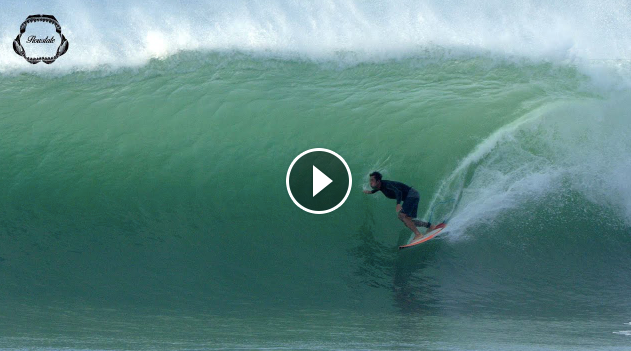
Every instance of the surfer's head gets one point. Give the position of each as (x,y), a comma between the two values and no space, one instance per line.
(375,180)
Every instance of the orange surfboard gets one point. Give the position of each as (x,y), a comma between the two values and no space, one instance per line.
(425,237)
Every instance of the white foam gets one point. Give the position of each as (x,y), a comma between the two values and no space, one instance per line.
(578,145)
(131,33)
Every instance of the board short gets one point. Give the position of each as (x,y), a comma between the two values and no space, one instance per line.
(410,203)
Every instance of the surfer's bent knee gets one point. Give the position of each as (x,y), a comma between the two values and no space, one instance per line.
(402,215)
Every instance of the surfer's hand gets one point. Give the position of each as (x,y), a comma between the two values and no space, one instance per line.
(398,207)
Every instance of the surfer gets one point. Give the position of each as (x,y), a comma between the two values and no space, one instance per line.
(401,192)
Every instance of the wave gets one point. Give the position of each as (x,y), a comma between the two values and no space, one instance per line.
(138,174)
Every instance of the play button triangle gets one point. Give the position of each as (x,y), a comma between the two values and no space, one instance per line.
(320,181)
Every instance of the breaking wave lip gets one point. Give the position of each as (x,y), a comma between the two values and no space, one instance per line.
(454,184)
(112,34)
(579,145)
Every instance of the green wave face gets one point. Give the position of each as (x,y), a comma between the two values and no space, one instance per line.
(164,187)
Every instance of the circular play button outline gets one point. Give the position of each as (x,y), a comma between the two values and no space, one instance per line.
(348,171)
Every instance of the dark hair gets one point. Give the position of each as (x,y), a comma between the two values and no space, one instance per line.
(377,176)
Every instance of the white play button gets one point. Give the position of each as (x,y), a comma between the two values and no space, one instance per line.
(320,181)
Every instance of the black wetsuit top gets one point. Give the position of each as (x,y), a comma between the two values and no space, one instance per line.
(394,190)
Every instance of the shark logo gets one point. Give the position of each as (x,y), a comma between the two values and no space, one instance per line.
(45,52)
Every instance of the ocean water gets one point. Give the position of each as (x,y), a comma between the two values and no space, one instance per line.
(142,176)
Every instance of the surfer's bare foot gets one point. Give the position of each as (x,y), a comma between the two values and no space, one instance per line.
(432,227)
(417,236)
